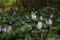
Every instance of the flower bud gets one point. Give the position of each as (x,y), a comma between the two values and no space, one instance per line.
(39,25)
(16,8)
(51,15)
(41,18)
(10,22)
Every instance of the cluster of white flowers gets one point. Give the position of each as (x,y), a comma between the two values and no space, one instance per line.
(39,25)
(8,29)
(33,15)
(48,22)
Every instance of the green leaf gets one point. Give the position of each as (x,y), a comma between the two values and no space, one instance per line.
(28,37)
(26,28)
(58,19)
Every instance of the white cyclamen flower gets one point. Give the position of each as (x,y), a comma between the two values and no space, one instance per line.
(33,15)
(41,18)
(4,29)
(51,15)
(39,25)
(9,28)
(49,22)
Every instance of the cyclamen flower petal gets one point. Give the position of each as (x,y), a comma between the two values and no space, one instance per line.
(4,29)
(49,22)
(39,25)
(41,18)
(33,15)
(9,28)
